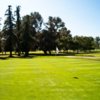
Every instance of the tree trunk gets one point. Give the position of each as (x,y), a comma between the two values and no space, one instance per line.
(10,54)
(26,54)
(18,53)
(45,52)
(49,52)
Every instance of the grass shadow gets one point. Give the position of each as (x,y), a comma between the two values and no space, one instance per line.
(4,58)
(34,55)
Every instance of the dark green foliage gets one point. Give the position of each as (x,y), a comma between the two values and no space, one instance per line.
(64,39)
(30,29)
(47,41)
(8,31)
(83,43)
(36,21)
(49,35)
(97,42)
(26,34)
(18,28)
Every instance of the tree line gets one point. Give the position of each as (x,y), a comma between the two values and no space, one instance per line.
(24,34)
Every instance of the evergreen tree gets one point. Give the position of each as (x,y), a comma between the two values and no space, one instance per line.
(8,29)
(18,28)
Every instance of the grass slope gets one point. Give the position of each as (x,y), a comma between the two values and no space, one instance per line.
(50,78)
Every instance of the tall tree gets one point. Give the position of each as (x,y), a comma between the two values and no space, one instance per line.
(53,26)
(18,20)
(27,36)
(36,23)
(30,25)
(8,27)
(18,27)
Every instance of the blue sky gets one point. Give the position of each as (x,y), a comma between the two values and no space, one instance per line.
(82,17)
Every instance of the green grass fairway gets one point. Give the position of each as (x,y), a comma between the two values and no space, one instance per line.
(50,78)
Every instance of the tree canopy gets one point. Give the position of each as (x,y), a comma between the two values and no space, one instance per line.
(30,32)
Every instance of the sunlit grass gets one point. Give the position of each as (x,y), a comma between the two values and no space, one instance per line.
(50,78)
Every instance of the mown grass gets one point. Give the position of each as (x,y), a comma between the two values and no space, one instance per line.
(50,78)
